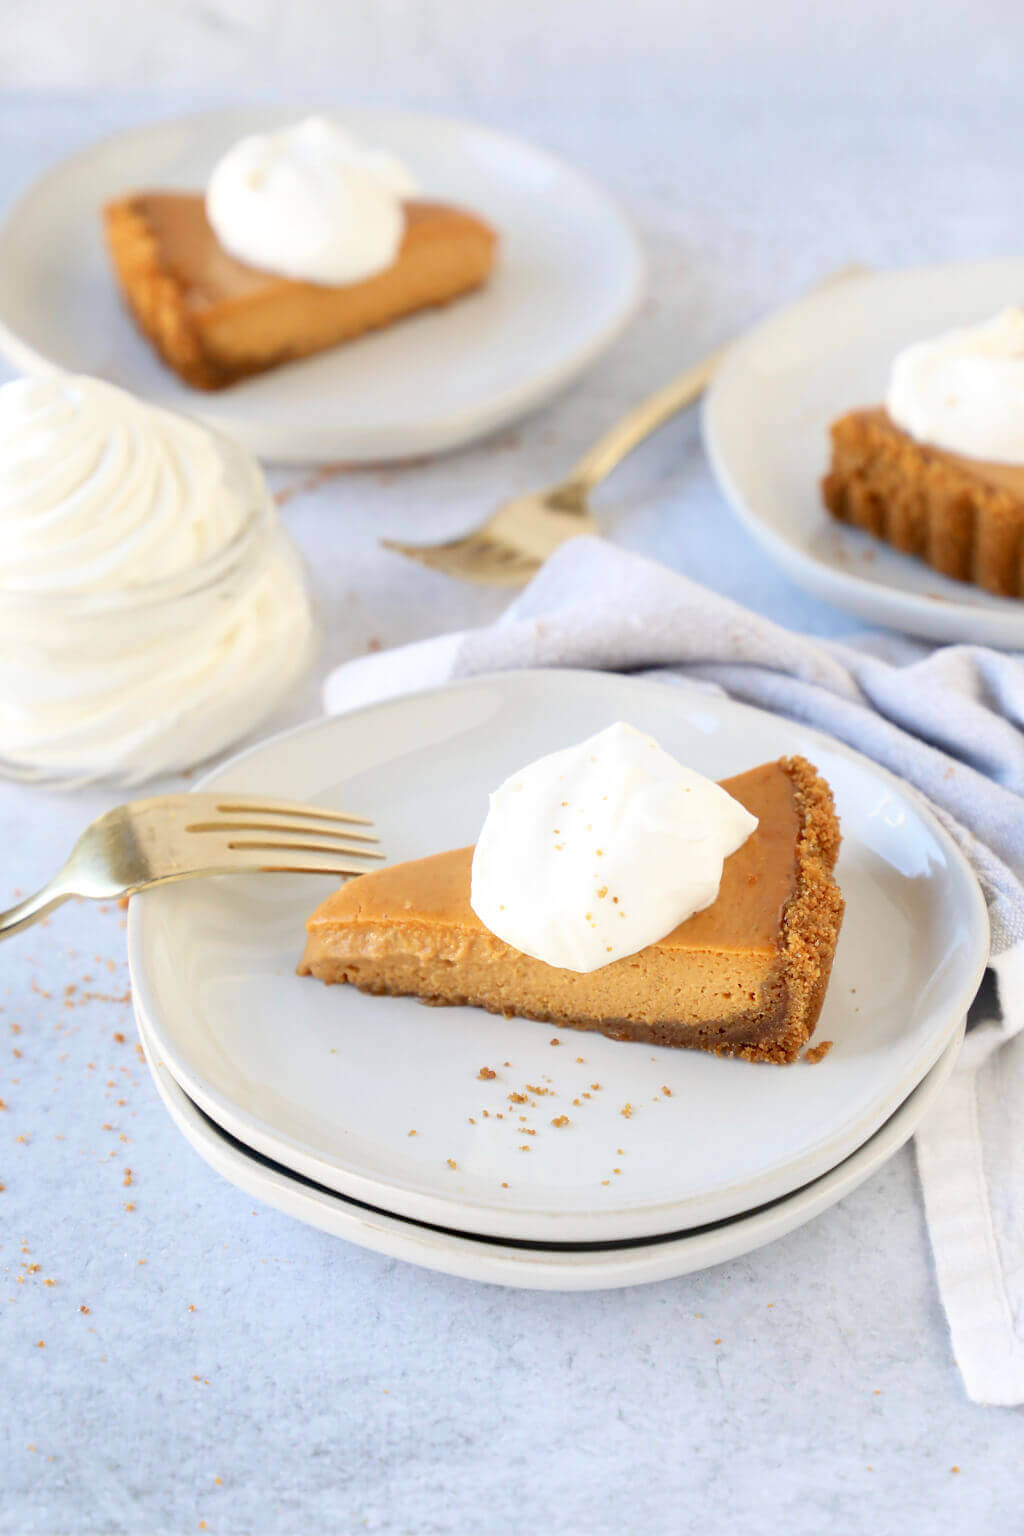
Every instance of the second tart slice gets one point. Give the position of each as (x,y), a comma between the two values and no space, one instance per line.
(215,320)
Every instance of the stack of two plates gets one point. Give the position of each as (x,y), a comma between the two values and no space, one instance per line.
(372,1117)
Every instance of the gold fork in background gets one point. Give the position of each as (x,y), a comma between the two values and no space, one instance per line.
(507,549)
(174,837)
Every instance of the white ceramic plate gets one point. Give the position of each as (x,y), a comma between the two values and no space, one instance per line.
(766,423)
(538,1268)
(330,1082)
(568,278)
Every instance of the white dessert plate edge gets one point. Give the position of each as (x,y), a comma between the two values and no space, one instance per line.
(223,1034)
(537,1268)
(544,317)
(765,425)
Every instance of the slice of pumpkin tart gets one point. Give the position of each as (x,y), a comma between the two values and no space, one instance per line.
(744,977)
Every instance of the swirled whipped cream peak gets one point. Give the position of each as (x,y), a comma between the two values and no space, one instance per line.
(964,390)
(594,852)
(99,492)
(151,608)
(310,202)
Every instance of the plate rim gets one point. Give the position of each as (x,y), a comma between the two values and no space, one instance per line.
(499,1220)
(910,612)
(461,1255)
(436,434)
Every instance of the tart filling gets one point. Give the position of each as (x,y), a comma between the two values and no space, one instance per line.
(744,977)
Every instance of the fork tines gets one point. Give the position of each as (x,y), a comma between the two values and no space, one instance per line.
(314,838)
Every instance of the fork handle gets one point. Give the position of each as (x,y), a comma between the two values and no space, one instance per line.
(33,908)
(612,447)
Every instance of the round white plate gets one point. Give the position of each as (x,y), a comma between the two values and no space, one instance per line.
(569,275)
(766,423)
(539,1268)
(330,1082)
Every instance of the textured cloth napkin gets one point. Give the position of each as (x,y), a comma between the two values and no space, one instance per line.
(948,721)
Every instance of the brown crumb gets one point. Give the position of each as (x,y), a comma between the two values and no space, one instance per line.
(718,1341)
(667,1092)
(503,1184)
(518,1098)
(560,1120)
(524,1149)
(530,1088)
(41,1344)
(412,1133)
(626,1111)
(818,1052)
(486,1074)
(191,1307)
(554,1042)
(130,1206)
(85,1310)
(122,903)
(954,1469)
(595,1086)
(119,1037)
(471,1120)
(452,1163)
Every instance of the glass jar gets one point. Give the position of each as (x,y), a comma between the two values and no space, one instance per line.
(126,684)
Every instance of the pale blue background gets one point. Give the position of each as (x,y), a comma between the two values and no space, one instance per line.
(756,148)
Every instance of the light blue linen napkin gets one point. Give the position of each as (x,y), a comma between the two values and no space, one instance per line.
(949,721)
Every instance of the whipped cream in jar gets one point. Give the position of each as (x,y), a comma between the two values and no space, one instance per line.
(152,609)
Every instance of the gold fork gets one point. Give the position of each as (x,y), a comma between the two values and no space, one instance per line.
(173,837)
(508,549)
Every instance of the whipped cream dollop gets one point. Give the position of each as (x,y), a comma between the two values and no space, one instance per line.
(964,390)
(310,202)
(99,491)
(151,609)
(594,852)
